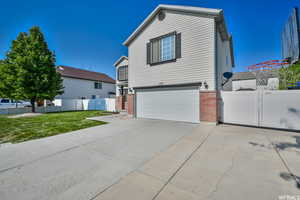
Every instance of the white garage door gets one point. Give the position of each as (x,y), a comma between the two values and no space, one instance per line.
(178,104)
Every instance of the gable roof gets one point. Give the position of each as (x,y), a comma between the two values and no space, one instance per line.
(251,75)
(218,13)
(72,72)
(120,60)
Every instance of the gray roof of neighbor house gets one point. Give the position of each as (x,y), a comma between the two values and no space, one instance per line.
(218,13)
(72,72)
(252,75)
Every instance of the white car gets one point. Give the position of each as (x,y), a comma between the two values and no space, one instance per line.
(8,103)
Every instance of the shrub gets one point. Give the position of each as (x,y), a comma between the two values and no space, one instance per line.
(289,76)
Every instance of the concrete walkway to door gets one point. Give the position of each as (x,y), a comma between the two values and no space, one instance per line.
(223,162)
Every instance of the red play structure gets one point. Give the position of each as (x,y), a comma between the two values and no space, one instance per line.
(268,65)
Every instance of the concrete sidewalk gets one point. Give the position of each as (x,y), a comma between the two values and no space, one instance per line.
(223,162)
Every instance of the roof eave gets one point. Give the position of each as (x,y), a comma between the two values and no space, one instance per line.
(88,79)
(213,12)
(222,27)
(120,60)
(225,35)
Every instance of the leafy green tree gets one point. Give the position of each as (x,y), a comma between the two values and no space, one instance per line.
(28,71)
(289,76)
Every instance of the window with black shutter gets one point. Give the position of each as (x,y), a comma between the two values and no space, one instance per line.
(165,48)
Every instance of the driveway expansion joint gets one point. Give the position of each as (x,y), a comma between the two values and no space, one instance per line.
(38,159)
(223,176)
(181,166)
(138,171)
(297,181)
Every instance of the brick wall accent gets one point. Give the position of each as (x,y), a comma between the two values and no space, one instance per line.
(209,106)
(130,104)
(120,103)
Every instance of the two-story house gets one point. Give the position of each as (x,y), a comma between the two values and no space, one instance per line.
(176,60)
(84,84)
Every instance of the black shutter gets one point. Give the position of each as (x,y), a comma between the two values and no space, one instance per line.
(178,45)
(126,73)
(148,53)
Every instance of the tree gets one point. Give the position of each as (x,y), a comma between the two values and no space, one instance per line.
(289,76)
(28,71)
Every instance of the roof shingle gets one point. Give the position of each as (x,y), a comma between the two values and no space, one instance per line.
(252,75)
(72,72)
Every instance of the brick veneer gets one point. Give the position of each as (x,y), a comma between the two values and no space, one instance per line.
(120,103)
(209,106)
(130,104)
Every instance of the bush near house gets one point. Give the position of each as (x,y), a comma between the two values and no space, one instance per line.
(289,76)
(27,128)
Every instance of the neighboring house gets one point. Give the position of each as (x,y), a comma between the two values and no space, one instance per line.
(290,37)
(83,84)
(253,80)
(176,60)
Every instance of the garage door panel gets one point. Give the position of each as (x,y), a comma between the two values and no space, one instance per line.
(169,104)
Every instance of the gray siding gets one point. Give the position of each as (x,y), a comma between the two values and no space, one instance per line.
(197,49)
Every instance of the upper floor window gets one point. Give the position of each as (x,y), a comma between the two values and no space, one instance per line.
(167,48)
(123,73)
(98,85)
(164,48)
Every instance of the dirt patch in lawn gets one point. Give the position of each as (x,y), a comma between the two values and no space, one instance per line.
(24,115)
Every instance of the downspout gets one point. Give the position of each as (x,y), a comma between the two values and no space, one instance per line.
(135,105)
(216,58)
(217,74)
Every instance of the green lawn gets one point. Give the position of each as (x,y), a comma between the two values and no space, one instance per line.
(28,128)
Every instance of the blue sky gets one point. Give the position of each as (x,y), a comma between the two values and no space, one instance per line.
(89,34)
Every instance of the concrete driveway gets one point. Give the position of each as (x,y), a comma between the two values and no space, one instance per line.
(223,162)
(81,164)
(153,159)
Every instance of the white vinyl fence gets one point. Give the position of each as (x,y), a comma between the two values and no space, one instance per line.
(106,104)
(262,108)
